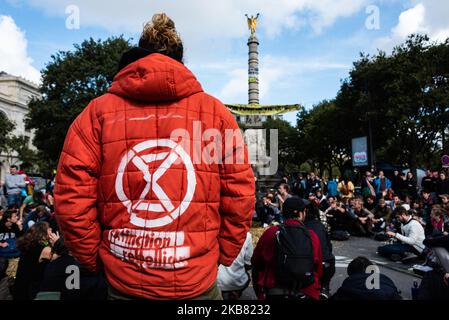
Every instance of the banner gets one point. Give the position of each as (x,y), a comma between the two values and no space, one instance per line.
(360,152)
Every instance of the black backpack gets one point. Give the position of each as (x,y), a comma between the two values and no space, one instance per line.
(340,235)
(294,257)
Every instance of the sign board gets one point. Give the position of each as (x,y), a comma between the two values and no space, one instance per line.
(445,161)
(360,152)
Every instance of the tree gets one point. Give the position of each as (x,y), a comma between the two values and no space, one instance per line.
(69,82)
(323,134)
(288,152)
(404,97)
(18,147)
(6,127)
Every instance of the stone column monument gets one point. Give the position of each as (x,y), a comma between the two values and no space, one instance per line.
(251,116)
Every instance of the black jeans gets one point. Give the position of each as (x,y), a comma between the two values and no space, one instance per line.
(397,248)
(328,273)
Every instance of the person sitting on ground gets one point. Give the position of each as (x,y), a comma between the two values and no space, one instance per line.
(355,287)
(272,203)
(10,230)
(313,183)
(442,184)
(411,238)
(54,282)
(233,280)
(40,213)
(362,220)
(346,188)
(444,201)
(382,184)
(283,194)
(395,203)
(265,212)
(437,218)
(267,274)
(381,216)
(312,222)
(369,203)
(35,254)
(411,188)
(367,185)
(337,216)
(323,204)
(31,201)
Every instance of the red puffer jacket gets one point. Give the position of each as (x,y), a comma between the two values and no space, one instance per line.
(142,188)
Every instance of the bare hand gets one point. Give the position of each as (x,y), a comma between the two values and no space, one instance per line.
(446,279)
(53,237)
(4,244)
(391,234)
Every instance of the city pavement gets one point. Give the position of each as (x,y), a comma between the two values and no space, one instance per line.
(345,251)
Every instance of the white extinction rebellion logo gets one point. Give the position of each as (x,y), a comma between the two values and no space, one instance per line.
(167,152)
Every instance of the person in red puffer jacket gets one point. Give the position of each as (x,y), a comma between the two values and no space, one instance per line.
(264,260)
(154,184)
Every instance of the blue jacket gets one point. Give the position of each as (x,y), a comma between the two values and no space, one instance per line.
(377,184)
(332,188)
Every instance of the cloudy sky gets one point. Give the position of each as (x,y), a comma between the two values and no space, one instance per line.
(307,46)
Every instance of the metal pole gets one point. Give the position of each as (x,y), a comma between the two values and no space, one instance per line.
(370,134)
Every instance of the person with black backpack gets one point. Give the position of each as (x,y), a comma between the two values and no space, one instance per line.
(288,261)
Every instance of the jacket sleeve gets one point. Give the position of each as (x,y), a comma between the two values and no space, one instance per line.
(76,188)
(388,183)
(412,239)
(237,191)
(408,240)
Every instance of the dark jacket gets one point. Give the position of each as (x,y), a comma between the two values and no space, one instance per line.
(29,274)
(429,183)
(442,241)
(91,286)
(382,213)
(354,288)
(443,186)
(326,244)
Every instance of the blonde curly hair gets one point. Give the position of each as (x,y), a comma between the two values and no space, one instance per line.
(160,35)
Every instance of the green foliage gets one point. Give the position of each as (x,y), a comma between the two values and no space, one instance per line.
(289,153)
(6,127)
(18,146)
(70,81)
(322,132)
(406,98)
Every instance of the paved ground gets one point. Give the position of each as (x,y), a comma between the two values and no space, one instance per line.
(345,251)
(401,274)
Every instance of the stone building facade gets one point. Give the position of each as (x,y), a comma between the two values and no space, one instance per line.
(15,94)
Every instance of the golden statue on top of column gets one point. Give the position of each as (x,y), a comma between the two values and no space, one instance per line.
(252,23)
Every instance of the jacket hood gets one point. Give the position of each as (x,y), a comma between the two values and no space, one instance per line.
(155,77)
